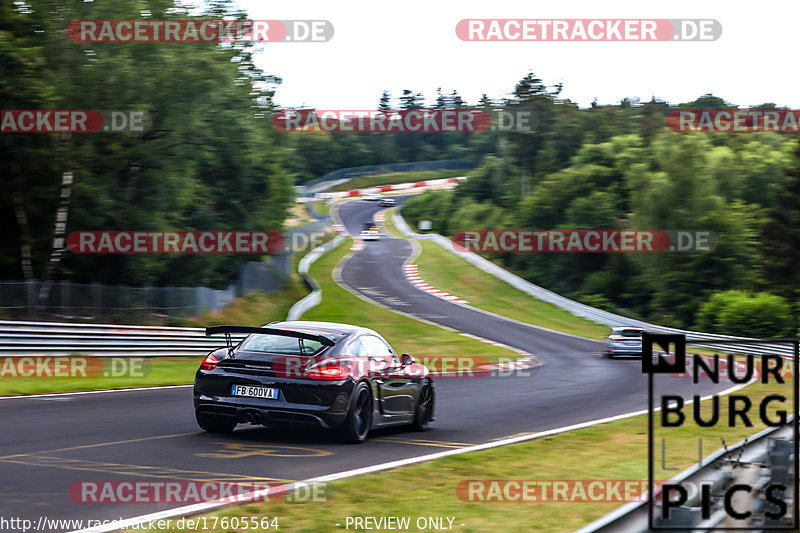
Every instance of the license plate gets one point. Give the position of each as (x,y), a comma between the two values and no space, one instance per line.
(254,392)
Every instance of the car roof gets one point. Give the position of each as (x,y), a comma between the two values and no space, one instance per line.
(617,328)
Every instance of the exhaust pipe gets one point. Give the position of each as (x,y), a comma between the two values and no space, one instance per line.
(252,417)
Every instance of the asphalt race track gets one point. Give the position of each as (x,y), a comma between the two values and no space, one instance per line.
(48,443)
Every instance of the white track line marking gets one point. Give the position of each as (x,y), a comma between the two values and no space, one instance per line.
(158,387)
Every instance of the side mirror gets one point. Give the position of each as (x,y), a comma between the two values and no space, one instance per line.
(407,359)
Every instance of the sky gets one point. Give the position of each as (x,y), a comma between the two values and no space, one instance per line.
(412,44)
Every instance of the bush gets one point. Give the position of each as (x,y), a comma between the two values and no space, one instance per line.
(752,315)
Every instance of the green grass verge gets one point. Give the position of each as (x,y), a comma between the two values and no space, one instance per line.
(404,333)
(321,208)
(611,451)
(143,372)
(450,273)
(397,177)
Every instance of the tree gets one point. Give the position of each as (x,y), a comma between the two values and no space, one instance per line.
(456,101)
(780,237)
(751,315)
(654,119)
(385,103)
(206,161)
(411,100)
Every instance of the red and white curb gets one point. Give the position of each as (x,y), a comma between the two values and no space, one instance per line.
(384,188)
(526,361)
(379,217)
(413,276)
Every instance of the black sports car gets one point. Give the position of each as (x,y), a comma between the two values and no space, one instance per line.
(330,375)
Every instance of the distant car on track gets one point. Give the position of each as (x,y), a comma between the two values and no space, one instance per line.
(323,374)
(370,232)
(386,202)
(373,234)
(374,197)
(624,340)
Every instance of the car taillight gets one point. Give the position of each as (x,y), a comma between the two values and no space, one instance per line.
(329,372)
(209,363)
(617,338)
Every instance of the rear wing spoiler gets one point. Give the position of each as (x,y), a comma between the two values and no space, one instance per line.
(227,330)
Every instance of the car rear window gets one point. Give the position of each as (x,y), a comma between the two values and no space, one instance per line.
(631,333)
(280,344)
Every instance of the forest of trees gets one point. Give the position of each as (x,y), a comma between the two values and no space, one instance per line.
(211,159)
(620,168)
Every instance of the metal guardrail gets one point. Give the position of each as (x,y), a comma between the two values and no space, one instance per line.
(766,457)
(22,338)
(315,297)
(590,313)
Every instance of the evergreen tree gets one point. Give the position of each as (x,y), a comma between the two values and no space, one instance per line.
(780,237)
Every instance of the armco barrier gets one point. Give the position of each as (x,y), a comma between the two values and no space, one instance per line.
(579,309)
(65,338)
(313,299)
(759,450)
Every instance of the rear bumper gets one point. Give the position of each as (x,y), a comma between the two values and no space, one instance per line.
(299,402)
(621,349)
(268,416)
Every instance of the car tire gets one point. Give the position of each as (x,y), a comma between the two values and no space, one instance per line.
(215,424)
(359,417)
(424,408)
